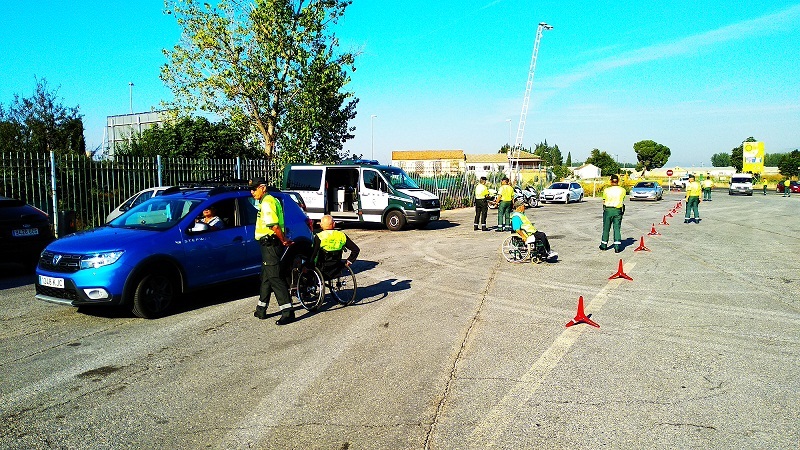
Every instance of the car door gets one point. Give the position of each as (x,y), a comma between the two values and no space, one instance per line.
(374,195)
(574,191)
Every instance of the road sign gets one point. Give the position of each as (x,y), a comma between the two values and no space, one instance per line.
(669,172)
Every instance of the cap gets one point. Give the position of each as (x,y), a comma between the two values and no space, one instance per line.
(519,202)
(256,182)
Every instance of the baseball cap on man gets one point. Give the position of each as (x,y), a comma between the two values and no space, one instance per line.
(519,202)
(256,182)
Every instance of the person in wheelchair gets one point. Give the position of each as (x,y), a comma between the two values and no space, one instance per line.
(326,254)
(525,229)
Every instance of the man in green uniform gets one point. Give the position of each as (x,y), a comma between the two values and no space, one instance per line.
(787,188)
(707,185)
(613,209)
(693,190)
(481,204)
(506,195)
(270,235)
(765,185)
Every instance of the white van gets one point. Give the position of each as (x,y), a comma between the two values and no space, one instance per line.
(741,183)
(362,193)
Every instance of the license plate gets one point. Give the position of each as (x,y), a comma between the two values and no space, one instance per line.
(51,282)
(25,232)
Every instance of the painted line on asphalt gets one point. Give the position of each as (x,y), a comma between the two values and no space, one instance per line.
(502,416)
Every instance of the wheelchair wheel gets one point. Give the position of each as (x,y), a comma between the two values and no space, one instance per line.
(343,286)
(309,288)
(514,249)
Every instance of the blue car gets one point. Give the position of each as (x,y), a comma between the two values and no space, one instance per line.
(147,257)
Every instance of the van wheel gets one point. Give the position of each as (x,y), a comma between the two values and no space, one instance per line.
(395,220)
(154,295)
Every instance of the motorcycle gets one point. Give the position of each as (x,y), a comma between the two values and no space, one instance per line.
(529,195)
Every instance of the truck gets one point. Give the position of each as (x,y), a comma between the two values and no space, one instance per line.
(741,183)
(362,192)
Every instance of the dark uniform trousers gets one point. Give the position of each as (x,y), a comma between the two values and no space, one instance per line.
(271,279)
(481,210)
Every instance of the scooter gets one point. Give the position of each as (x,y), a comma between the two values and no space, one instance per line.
(529,194)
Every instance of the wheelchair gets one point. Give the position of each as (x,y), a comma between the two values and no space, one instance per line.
(515,250)
(311,282)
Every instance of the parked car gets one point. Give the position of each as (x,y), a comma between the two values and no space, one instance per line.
(681,182)
(24,231)
(794,187)
(563,191)
(136,199)
(148,256)
(647,190)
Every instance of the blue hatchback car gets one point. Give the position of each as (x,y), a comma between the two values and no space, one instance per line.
(154,252)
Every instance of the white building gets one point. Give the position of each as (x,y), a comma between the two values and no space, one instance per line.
(586,171)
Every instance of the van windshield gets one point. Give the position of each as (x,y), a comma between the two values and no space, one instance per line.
(398,178)
(740,180)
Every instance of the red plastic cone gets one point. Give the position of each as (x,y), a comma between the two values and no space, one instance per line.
(674,210)
(678,205)
(653,231)
(581,317)
(620,273)
(641,246)
(670,214)
(664,221)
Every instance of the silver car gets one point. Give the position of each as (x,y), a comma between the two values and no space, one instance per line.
(647,190)
(136,199)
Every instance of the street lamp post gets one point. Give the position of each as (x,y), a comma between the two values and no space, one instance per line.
(372,134)
(508,142)
(130,88)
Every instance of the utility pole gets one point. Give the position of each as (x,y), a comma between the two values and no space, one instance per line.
(130,86)
(515,152)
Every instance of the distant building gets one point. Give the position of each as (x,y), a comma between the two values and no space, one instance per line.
(483,165)
(586,171)
(121,128)
(428,163)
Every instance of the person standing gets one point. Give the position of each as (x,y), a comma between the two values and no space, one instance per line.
(707,185)
(765,185)
(693,190)
(506,195)
(787,188)
(270,235)
(481,204)
(613,209)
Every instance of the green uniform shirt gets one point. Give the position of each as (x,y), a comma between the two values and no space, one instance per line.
(613,196)
(270,213)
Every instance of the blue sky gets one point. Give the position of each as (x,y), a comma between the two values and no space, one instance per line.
(697,76)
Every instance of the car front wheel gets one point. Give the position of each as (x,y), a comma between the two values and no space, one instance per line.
(154,295)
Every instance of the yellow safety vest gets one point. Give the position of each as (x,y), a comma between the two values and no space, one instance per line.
(481,191)
(707,183)
(506,193)
(526,226)
(693,189)
(270,213)
(613,196)
(331,240)
(787,183)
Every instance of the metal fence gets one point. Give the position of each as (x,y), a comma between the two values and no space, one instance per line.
(83,191)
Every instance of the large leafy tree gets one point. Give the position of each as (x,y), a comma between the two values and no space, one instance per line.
(270,65)
(720,160)
(789,165)
(651,155)
(604,161)
(193,138)
(41,123)
(737,154)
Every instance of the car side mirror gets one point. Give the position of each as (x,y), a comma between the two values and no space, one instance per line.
(198,227)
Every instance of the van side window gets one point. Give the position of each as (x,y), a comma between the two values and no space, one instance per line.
(304,180)
(371,180)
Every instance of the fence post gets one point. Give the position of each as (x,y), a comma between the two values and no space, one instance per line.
(238,167)
(55,194)
(160,170)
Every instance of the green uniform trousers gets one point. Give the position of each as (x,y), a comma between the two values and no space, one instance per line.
(692,204)
(612,216)
(504,215)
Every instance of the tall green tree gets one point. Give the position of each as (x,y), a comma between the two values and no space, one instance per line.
(568,163)
(651,155)
(737,154)
(789,166)
(604,161)
(41,123)
(773,159)
(192,138)
(720,160)
(270,65)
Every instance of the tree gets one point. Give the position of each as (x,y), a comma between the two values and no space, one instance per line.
(720,160)
(504,149)
(271,66)
(737,154)
(789,165)
(41,123)
(568,163)
(604,161)
(192,138)
(651,155)
(773,159)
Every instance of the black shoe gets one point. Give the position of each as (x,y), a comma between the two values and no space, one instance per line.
(498,229)
(697,220)
(484,229)
(475,228)
(260,312)
(686,220)
(284,320)
(617,249)
(603,247)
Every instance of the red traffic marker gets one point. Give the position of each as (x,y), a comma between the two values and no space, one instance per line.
(670,214)
(641,246)
(678,205)
(620,273)
(664,221)
(674,210)
(581,317)
(653,231)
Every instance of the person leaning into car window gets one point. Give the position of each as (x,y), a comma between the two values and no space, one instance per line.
(211,219)
(270,235)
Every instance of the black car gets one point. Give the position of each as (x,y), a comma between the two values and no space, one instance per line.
(24,231)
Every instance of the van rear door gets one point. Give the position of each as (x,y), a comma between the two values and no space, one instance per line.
(307,181)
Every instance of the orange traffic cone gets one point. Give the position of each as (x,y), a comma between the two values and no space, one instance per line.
(581,317)
(653,231)
(664,221)
(620,273)
(641,246)
(670,214)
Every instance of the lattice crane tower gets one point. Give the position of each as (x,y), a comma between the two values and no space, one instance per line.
(515,152)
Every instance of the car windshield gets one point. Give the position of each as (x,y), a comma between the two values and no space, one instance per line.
(398,178)
(559,186)
(740,180)
(158,213)
(645,184)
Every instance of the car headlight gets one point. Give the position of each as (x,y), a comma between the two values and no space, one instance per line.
(100,259)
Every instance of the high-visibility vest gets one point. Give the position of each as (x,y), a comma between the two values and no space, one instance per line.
(693,189)
(526,225)
(506,193)
(707,183)
(270,213)
(331,240)
(481,191)
(613,196)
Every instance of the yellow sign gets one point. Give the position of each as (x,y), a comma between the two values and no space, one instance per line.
(753,157)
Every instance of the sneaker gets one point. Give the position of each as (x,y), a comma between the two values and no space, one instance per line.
(552,255)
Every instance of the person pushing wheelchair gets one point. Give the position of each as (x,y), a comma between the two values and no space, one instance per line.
(525,229)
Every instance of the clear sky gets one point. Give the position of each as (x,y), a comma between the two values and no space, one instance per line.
(697,76)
